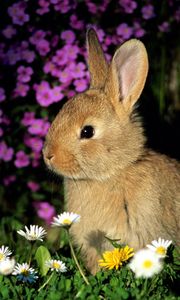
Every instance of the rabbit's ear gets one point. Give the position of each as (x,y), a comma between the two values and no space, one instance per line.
(127,73)
(97,63)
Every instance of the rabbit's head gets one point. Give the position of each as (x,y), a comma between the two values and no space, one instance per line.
(96,134)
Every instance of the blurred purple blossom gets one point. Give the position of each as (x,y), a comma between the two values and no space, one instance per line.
(39,127)
(68,36)
(9,31)
(45,211)
(28,118)
(128,5)
(22,159)
(148,12)
(24,73)
(2,94)
(9,179)
(80,84)
(164,27)
(124,31)
(35,143)
(33,186)
(75,23)
(21,90)
(6,153)
(17,13)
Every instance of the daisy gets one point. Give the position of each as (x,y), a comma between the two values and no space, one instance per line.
(65,219)
(145,263)
(25,273)
(34,233)
(159,247)
(115,258)
(4,253)
(56,265)
(7,266)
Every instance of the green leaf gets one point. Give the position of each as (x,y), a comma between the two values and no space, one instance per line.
(42,254)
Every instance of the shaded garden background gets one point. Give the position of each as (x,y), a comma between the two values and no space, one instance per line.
(43,63)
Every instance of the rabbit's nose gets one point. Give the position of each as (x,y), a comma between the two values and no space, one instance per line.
(49,156)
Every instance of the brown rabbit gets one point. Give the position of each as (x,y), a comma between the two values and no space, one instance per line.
(119,188)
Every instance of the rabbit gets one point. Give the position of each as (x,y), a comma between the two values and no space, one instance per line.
(121,189)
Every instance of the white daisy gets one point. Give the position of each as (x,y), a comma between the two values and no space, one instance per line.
(56,265)
(34,233)
(25,273)
(65,219)
(4,253)
(7,266)
(159,247)
(145,263)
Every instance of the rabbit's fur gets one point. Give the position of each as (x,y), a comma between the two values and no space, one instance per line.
(119,188)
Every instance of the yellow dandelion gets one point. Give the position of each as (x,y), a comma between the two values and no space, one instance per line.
(115,258)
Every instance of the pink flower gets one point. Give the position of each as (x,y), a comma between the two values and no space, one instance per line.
(75,23)
(39,127)
(21,90)
(6,153)
(9,31)
(44,94)
(124,31)
(35,143)
(57,94)
(164,27)
(128,5)
(17,13)
(68,36)
(80,85)
(77,70)
(33,186)
(2,95)
(148,12)
(45,211)
(43,47)
(22,159)
(9,179)
(38,35)
(60,58)
(138,30)
(24,73)
(28,118)
(65,76)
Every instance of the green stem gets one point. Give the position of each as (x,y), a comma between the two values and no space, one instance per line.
(31,252)
(45,283)
(13,288)
(76,261)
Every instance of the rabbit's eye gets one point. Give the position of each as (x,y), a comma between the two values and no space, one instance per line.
(87,132)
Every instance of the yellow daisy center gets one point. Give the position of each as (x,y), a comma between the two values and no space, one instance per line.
(67,222)
(1,256)
(147,264)
(25,272)
(56,265)
(161,250)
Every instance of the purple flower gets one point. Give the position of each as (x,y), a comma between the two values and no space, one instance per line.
(43,47)
(65,76)
(44,94)
(9,179)
(35,143)
(128,5)
(37,35)
(77,70)
(80,85)
(138,30)
(39,127)
(124,31)
(164,27)
(21,90)
(33,186)
(9,31)
(28,118)
(148,12)
(6,153)
(24,73)
(75,23)
(60,58)
(68,36)
(17,13)
(2,94)
(22,159)
(45,211)
(57,94)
